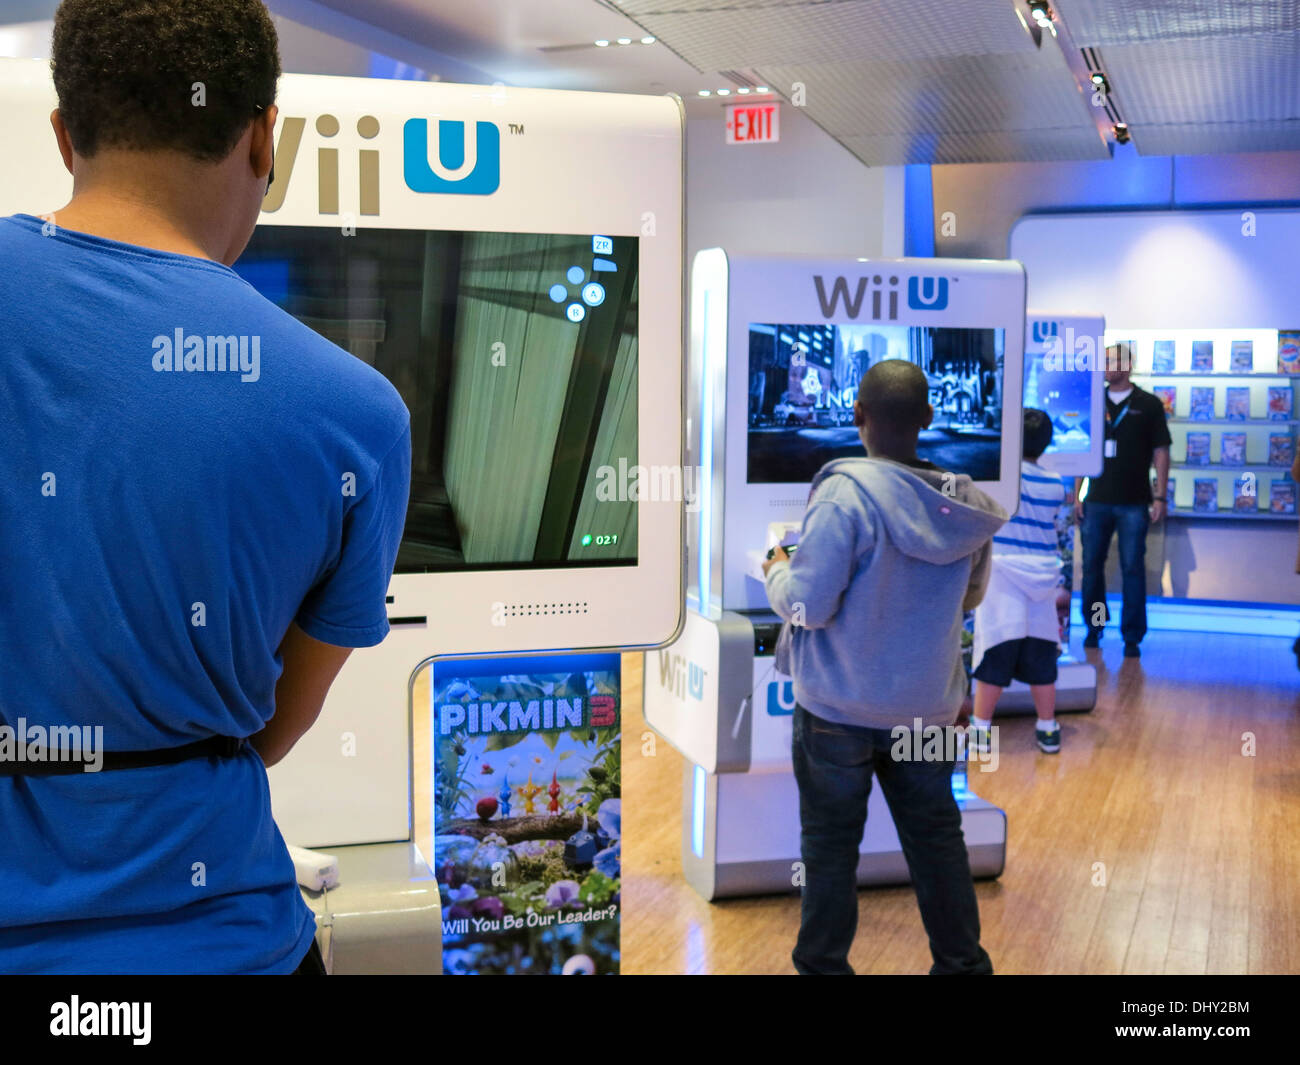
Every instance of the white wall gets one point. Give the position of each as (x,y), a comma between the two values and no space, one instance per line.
(1182,270)
(805,193)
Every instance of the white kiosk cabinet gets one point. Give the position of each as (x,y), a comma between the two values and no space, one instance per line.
(778,346)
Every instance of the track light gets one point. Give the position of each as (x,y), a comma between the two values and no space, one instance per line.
(1120,130)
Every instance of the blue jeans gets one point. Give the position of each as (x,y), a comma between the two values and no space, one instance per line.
(1100,522)
(833,765)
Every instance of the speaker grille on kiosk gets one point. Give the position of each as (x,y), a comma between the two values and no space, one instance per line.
(541,610)
(788,502)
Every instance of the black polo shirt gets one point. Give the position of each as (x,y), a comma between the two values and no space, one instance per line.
(1138,427)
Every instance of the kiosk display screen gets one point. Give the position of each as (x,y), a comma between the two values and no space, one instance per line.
(516,354)
(1066,397)
(803,381)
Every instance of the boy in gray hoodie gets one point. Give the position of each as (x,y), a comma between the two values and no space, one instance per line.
(893,551)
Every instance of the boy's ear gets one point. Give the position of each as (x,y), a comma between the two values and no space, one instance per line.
(929,416)
(859,415)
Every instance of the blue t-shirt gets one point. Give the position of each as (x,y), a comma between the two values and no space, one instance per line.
(162,522)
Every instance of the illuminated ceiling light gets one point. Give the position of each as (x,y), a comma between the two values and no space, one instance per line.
(625,40)
(1121,133)
(762,88)
(602,44)
(647,40)
(705,92)
(743,90)
(724,92)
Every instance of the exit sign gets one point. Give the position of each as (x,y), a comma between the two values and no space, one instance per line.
(754,123)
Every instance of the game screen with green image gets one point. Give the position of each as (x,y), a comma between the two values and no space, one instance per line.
(516,354)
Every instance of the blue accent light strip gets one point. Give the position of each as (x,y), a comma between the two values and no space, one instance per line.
(918,211)
(697,813)
(1199,615)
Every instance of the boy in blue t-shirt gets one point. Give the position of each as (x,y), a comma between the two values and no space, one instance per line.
(1016,626)
(202,503)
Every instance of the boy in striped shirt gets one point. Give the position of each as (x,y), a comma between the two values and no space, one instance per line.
(1017,631)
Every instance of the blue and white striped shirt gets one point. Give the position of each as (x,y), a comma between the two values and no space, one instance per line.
(1033,530)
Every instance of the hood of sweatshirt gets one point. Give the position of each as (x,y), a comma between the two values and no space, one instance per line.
(931,515)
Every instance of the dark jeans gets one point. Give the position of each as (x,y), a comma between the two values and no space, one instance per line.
(834,765)
(1100,522)
(312,963)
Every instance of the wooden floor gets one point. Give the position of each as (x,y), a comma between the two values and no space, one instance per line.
(1150,844)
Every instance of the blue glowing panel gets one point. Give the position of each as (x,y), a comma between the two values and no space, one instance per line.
(1066,397)
(269,276)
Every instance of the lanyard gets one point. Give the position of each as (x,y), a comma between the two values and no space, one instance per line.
(1123,411)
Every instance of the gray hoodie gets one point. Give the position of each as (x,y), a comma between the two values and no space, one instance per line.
(889,558)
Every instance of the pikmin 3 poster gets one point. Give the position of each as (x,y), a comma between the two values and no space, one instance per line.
(528,814)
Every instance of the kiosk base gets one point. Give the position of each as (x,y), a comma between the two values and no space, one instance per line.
(1076,689)
(384,917)
(715,695)
(740,835)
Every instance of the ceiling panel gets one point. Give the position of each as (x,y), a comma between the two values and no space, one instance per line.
(965,94)
(1211,79)
(734,34)
(1029,146)
(922,81)
(1198,138)
(1099,23)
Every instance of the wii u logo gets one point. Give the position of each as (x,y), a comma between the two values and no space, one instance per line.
(460,164)
(1044,330)
(923,294)
(780,698)
(681,676)
(454,167)
(327,165)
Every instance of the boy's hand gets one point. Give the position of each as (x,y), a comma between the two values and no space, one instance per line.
(779,554)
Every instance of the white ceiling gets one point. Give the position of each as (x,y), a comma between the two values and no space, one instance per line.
(896,81)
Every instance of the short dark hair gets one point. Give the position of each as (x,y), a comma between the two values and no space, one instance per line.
(1038,432)
(895,394)
(126,73)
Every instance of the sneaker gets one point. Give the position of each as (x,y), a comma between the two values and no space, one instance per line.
(1093,639)
(1048,742)
(1132,650)
(980,739)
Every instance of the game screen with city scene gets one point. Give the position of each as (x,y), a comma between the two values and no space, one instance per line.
(803,380)
(516,354)
(1065,395)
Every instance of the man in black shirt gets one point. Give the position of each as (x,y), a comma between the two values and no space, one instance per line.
(1120,500)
